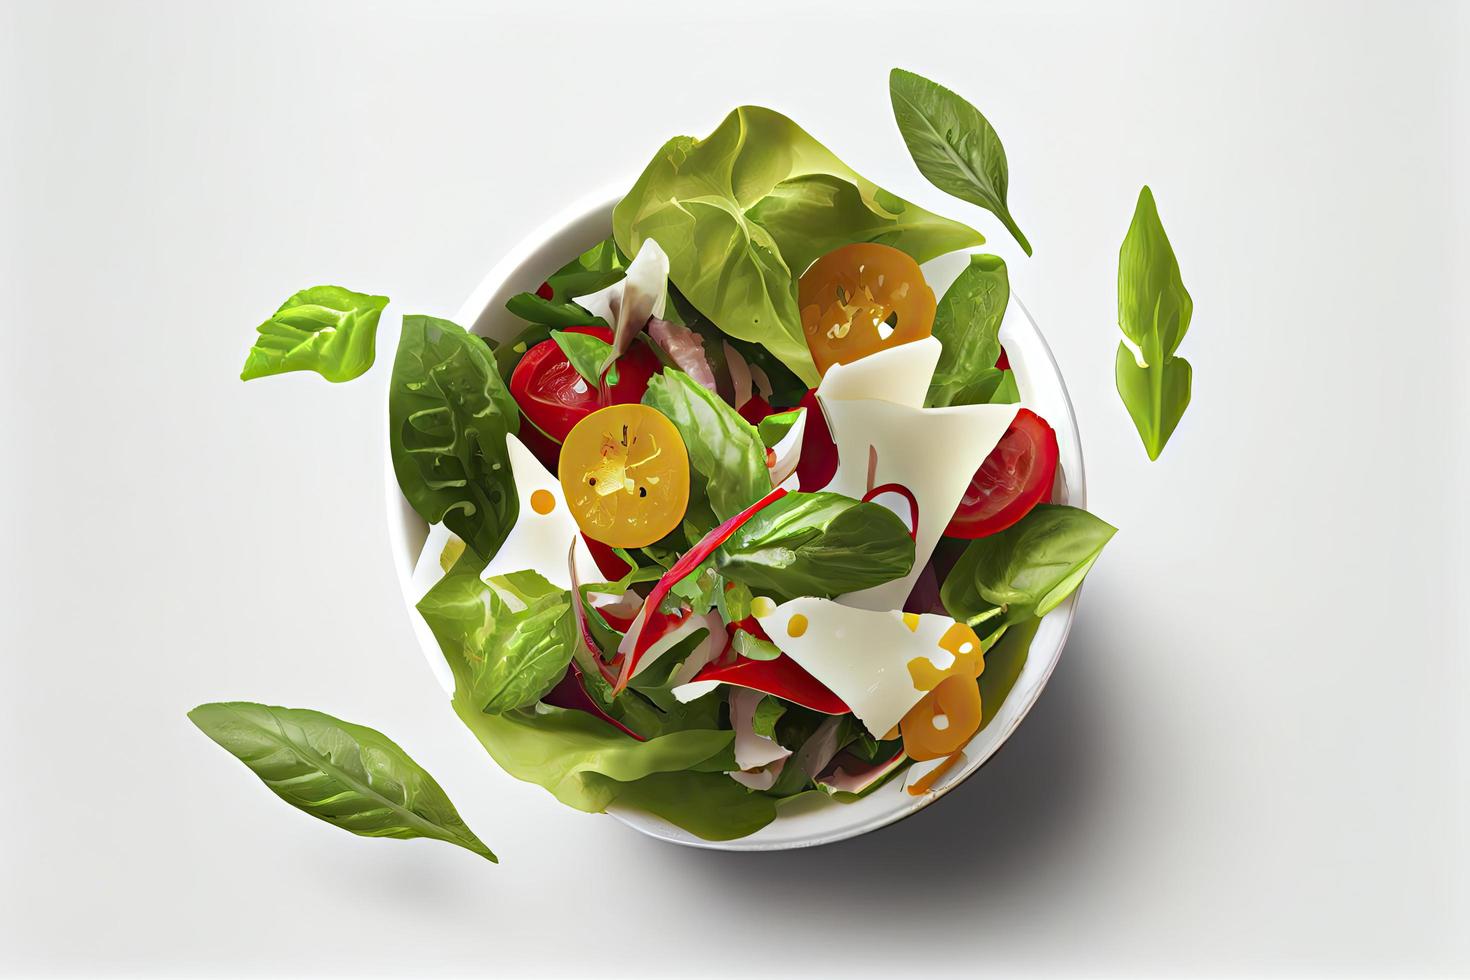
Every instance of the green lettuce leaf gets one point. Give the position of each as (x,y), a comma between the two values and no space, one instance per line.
(773,428)
(967,322)
(448,416)
(953,145)
(348,775)
(326,329)
(742,212)
(817,544)
(711,806)
(586,354)
(725,452)
(503,656)
(1026,570)
(1154,310)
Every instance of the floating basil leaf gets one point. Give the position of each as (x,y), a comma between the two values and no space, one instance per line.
(953,145)
(1153,311)
(448,416)
(348,775)
(967,323)
(723,448)
(326,329)
(502,656)
(817,544)
(1025,570)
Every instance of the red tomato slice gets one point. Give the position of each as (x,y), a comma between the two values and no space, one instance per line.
(1016,476)
(554,397)
(818,462)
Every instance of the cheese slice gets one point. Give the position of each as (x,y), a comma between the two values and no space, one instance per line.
(752,751)
(643,292)
(884,437)
(544,531)
(862,655)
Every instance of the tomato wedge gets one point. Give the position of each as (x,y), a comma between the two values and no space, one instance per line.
(554,397)
(1016,476)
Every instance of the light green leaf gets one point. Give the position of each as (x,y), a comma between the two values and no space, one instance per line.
(967,323)
(709,805)
(773,428)
(817,544)
(448,416)
(326,329)
(953,145)
(706,203)
(348,775)
(723,448)
(507,645)
(752,647)
(767,713)
(586,354)
(1025,570)
(1154,310)
(1003,664)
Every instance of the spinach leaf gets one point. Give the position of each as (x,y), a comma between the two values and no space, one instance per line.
(967,323)
(736,256)
(1026,570)
(773,428)
(817,544)
(767,713)
(586,354)
(953,145)
(448,416)
(326,329)
(1153,311)
(348,775)
(507,645)
(723,448)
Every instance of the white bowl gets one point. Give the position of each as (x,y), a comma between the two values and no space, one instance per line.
(810,820)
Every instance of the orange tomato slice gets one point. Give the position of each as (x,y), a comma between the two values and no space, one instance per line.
(949,715)
(625,473)
(863,298)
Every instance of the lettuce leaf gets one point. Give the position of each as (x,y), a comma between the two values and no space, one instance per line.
(448,416)
(724,449)
(742,212)
(967,323)
(326,329)
(711,806)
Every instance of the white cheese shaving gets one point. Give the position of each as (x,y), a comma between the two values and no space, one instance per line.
(540,542)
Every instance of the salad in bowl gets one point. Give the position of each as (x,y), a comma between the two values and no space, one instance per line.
(729,510)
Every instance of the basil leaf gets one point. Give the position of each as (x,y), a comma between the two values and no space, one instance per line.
(1025,570)
(953,145)
(597,268)
(705,202)
(723,448)
(773,428)
(1154,310)
(529,306)
(1003,663)
(448,416)
(326,329)
(348,775)
(817,544)
(767,713)
(504,655)
(752,647)
(509,354)
(967,322)
(587,354)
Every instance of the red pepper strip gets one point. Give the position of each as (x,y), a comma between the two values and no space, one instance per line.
(571,693)
(1002,362)
(783,677)
(690,560)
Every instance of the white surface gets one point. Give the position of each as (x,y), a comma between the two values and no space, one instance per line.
(814,821)
(1253,756)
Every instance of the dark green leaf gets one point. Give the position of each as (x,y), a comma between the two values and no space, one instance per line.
(502,658)
(509,354)
(817,544)
(953,145)
(448,416)
(967,322)
(1154,310)
(348,775)
(326,329)
(1003,663)
(724,449)
(1025,570)
(529,306)
(595,269)
(767,713)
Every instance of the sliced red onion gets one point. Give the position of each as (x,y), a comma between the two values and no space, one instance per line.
(740,378)
(685,348)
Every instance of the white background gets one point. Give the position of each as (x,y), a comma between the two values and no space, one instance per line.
(1253,757)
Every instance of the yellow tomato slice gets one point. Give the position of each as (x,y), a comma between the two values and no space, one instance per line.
(949,715)
(863,298)
(625,473)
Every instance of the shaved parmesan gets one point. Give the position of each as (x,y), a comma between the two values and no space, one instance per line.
(628,303)
(862,655)
(545,530)
(786,453)
(752,751)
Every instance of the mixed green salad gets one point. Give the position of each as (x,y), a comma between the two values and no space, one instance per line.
(743,513)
